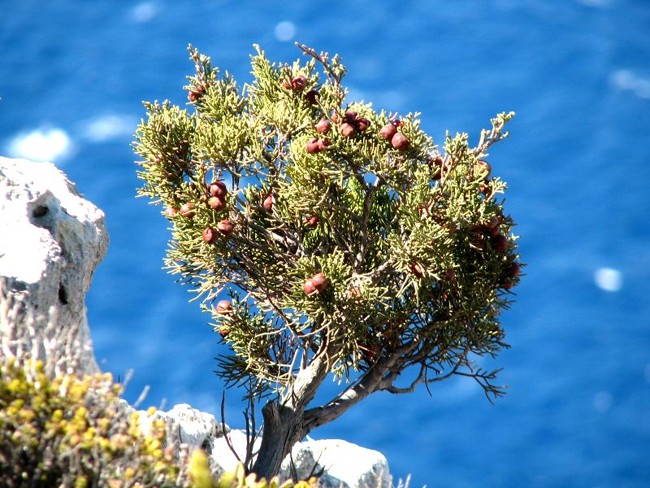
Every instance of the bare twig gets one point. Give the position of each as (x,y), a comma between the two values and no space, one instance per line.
(223,428)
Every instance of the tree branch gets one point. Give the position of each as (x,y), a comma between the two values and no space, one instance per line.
(366,385)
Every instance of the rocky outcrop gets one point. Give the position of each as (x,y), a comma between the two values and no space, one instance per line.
(337,463)
(51,241)
(341,464)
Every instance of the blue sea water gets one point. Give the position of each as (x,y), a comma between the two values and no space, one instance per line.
(577,72)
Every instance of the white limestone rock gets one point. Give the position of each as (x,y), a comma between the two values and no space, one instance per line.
(194,428)
(337,463)
(199,430)
(222,455)
(343,464)
(51,241)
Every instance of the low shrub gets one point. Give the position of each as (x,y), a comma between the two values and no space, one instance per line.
(77,432)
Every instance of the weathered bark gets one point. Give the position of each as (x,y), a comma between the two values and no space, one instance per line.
(284,419)
(282,430)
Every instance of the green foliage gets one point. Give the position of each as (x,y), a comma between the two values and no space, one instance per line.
(415,246)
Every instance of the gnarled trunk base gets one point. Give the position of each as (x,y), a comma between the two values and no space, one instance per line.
(283,428)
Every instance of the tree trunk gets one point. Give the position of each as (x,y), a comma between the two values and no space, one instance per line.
(282,430)
(284,419)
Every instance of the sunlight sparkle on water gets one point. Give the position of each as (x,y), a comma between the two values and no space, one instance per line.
(285,31)
(43,144)
(608,279)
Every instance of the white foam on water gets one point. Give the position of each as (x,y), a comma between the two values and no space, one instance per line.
(285,31)
(627,80)
(108,127)
(608,279)
(42,144)
(144,12)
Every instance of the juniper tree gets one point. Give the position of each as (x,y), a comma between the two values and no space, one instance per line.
(348,243)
